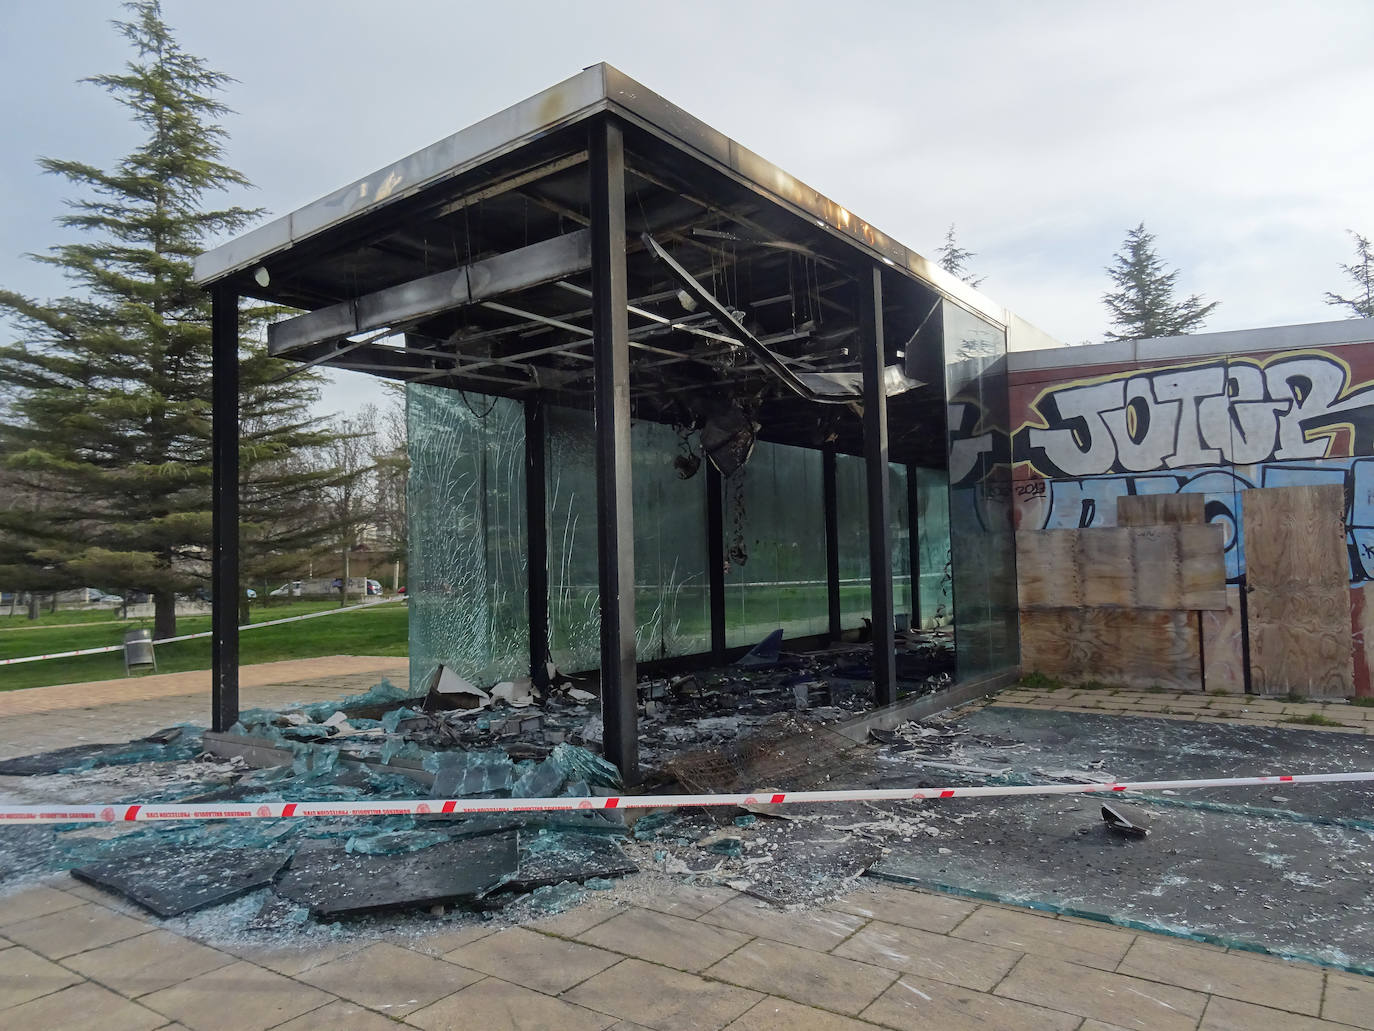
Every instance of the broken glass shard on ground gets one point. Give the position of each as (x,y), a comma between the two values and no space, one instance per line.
(551,857)
(173,881)
(334,883)
(165,746)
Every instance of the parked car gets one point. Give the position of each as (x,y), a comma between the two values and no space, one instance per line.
(110,599)
(374,588)
(249,593)
(291,590)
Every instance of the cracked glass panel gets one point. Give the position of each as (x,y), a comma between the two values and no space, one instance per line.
(672,608)
(467,566)
(932,539)
(982,538)
(851,504)
(774,512)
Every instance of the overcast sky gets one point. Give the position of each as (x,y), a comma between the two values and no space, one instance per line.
(1242,134)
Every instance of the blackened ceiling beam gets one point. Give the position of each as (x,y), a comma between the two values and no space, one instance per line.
(515,270)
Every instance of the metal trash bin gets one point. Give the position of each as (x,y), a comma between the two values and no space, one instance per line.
(138,650)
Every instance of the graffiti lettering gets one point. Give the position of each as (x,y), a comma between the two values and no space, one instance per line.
(1234,411)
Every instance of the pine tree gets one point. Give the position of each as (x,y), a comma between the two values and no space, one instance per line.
(109,415)
(954,259)
(1143,304)
(1361,304)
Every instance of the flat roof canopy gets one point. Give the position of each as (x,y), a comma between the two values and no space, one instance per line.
(468,265)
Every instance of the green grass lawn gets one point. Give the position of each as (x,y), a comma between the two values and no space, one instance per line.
(379,630)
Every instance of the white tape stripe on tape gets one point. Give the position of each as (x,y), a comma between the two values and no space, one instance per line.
(206,633)
(100,813)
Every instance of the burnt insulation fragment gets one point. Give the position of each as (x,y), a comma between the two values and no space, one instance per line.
(170,882)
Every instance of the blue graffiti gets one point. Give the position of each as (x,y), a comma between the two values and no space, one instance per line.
(1091,501)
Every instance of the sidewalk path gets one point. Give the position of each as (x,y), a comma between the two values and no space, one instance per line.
(651,954)
(36,719)
(657,955)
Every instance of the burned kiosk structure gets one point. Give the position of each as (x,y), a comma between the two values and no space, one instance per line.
(663,400)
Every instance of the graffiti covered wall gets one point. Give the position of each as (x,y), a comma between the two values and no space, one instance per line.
(1217,426)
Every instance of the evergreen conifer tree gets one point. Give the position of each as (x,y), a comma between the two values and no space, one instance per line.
(954,259)
(1143,305)
(1361,273)
(108,408)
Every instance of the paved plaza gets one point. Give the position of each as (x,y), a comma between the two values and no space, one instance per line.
(651,953)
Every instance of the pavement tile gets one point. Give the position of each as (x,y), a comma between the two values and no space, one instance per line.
(292,960)
(920,1004)
(83,1007)
(970,964)
(495,1005)
(910,908)
(340,1016)
(1349,999)
(101,897)
(148,962)
(390,979)
(548,965)
(1099,946)
(1114,998)
(70,931)
(573,922)
(1294,986)
(662,938)
(24,975)
(820,929)
(439,942)
(689,900)
(802,975)
(773,1014)
(664,999)
(239,997)
(628,1025)
(1233,1015)
(34,902)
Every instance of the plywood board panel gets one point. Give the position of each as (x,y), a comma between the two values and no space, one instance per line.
(1202,567)
(1107,567)
(1047,569)
(1156,568)
(1160,509)
(1164,567)
(1138,649)
(1222,647)
(1297,576)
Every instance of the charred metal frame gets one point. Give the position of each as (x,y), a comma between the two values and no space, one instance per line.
(614,512)
(224,565)
(611,206)
(537,542)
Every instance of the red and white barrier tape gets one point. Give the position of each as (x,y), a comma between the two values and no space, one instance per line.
(192,637)
(31,814)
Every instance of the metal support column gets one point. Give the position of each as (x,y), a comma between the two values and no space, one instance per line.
(615,517)
(831,499)
(715,559)
(537,543)
(913,520)
(875,465)
(224,501)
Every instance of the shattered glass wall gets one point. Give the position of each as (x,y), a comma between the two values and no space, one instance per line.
(466,503)
(672,606)
(982,535)
(852,510)
(775,546)
(932,526)
(574,591)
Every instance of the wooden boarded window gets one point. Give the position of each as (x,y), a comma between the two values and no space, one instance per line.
(1297,581)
